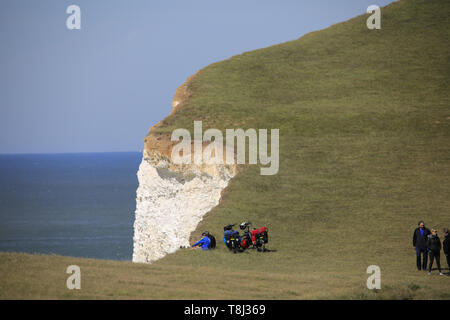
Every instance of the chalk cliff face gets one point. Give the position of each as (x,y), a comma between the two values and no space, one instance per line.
(172,199)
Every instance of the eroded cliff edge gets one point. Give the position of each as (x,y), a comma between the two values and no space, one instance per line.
(172,199)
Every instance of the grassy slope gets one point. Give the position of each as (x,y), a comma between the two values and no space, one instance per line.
(364,154)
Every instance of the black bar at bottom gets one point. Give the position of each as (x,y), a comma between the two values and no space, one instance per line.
(215,309)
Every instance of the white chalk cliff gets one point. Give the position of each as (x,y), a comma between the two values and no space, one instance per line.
(172,199)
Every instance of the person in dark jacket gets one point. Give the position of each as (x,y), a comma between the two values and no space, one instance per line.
(446,245)
(434,250)
(420,245)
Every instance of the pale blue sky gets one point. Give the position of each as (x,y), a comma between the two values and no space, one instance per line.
(102,87)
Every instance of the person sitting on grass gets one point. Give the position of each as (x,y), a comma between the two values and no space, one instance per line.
(204,242)
(446,246)
(434,250)
(212,239)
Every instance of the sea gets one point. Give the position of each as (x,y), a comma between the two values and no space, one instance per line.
(79,205)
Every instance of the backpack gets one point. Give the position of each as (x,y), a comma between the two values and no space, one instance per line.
(260,234)
(246,241)
(212,244)
(227,234)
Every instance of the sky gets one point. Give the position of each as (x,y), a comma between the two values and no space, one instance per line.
(100,88)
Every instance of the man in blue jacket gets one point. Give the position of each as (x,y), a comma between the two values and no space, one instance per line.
(420,236)
(204,242)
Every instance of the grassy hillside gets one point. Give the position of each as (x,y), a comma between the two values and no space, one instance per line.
(364,125)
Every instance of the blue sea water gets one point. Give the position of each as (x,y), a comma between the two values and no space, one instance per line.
(78,205)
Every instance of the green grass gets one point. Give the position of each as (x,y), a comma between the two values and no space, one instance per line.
(364,125)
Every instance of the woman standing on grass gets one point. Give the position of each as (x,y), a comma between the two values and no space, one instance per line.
(434,250)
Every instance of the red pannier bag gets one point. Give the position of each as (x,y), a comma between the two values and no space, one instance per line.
(259,233)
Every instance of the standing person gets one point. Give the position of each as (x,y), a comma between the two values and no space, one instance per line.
(420,244)
(434,249)
(446,246)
